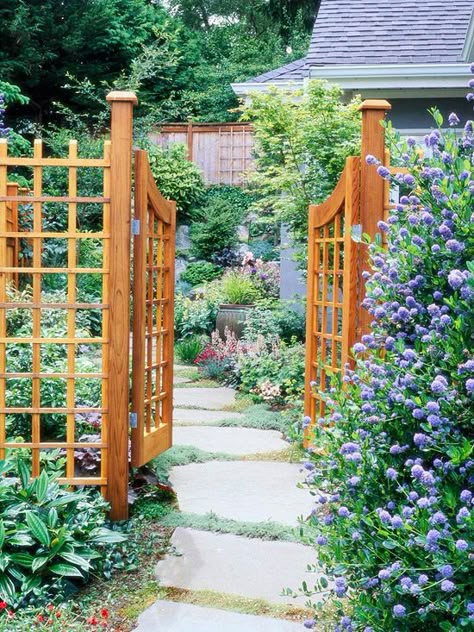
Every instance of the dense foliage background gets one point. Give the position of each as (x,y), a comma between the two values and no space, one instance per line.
(181,56)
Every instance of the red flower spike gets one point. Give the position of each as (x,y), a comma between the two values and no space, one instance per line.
(50,607)
(3,605)
(104,613)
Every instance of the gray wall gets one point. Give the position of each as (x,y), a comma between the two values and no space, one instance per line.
(413,113)
(292,283)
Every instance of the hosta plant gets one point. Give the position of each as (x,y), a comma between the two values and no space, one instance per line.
(51,539)
(393,472)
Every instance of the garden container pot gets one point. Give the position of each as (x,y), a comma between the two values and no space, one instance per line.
(232,317)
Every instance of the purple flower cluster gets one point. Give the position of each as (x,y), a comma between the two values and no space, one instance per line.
(4,131)
(398,466)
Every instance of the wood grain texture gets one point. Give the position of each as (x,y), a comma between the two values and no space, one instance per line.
(119,301)
(371,191)
(153,296)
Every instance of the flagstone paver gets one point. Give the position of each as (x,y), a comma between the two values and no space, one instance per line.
(238,441)
(178,379)
(169,616)
(245,490)
(235,565)
(251,491)
(191,417)
(207,398)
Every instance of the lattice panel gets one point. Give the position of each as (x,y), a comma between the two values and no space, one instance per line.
(332,273)
(54,325)
(153,296)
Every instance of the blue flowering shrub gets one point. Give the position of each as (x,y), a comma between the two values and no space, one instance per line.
(393,470)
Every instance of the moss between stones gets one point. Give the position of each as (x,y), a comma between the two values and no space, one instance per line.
(216,524)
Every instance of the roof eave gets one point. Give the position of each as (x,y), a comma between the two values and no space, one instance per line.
(243,89)
(394,76)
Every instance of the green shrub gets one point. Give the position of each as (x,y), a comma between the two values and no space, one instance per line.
(51,539)
(176,177)
(238,289)
(291,324)
(286,323)
(195,316)
(264,250)
(239,199)
(189,348)
(200,272)
(275,374)
(215,230)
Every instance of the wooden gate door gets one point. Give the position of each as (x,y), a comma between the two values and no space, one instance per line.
(332,274)
(154,229)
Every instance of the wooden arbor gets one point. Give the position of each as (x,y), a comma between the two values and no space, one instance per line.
(110,347)
(335,319)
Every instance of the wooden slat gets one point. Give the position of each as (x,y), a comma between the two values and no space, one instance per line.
(49,198)
(38,161)
(139,306)
(71,314)
(119,300)
(105,461)
(36,338)
(3,290)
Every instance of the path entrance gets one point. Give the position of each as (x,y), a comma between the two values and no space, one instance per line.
(252,484)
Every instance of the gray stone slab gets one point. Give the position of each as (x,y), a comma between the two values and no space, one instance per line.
(235,565)
(207,398)
(181,380)
(250,491)
(191,417)
(237,441)
(169,616)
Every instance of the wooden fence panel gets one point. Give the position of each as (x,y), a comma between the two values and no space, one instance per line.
(153,317)
(58,379)
(36,345)
(223,151)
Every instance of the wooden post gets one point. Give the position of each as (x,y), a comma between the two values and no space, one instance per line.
(12,242)
(119,298)
(190,139)
(371,191)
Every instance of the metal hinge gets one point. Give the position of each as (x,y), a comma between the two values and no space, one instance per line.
(133,420)
(356,232)
(135,227)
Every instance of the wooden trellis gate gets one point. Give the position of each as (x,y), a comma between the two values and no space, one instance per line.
(65,338)
(335,318)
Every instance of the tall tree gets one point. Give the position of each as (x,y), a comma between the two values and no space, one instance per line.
(45,40)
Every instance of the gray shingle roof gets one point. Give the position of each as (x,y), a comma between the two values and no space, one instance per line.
(294,71)
(363,32)
(353,32)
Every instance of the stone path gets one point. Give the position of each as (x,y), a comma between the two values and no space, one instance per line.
(250,491)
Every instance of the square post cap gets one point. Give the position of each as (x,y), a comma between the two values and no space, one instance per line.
(122,95)
(375,104)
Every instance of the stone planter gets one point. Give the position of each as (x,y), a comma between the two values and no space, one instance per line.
(232,317)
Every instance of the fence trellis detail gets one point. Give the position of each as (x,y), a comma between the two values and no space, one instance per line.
(336,261)
(84,360)
(153,299)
